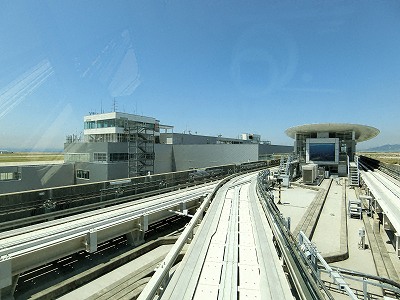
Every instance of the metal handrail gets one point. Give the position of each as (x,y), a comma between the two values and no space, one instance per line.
(383,283)
(305,278)
(287,242)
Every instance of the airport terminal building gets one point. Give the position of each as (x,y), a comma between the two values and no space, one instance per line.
(119,145)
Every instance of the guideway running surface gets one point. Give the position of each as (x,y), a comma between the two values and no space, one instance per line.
(232,255)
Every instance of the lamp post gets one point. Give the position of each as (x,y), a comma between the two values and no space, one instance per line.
(279,181)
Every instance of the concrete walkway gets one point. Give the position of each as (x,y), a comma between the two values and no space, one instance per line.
(359,259)
(336,235)
(329,226)
(295,202)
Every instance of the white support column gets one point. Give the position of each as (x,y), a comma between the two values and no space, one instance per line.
(386,222)
(91,241)
(378,209)
(182,206)
(144,223)
(6,279)
(397,238)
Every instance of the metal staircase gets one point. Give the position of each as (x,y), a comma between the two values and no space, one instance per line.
(354,173)
(140,149)
(287,166)
(284,167)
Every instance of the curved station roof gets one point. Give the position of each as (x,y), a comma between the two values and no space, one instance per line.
(362,132)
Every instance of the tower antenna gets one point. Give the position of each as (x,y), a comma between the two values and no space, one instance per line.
(114,105)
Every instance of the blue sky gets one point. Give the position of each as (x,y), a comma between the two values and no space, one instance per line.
(211,67)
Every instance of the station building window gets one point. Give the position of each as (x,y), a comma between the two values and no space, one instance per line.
(89,125)
(10,176)
(82,174)
(100,156)
(118,157)
(105,123)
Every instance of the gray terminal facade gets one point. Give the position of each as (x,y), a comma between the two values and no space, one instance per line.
(119,145)
(112,155)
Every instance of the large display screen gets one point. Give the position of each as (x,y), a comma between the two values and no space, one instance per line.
(322,151)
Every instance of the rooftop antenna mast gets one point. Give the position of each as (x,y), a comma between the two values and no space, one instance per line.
(114,105)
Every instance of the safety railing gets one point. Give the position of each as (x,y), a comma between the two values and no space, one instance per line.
(309,263)
(307,283)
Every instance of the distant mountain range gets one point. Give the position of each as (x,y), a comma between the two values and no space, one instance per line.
(384,148)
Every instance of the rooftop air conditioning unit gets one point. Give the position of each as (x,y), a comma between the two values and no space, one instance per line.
(310,173)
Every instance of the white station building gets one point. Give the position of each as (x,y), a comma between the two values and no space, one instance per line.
(329,145)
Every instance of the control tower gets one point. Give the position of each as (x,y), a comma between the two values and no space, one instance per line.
(329,145)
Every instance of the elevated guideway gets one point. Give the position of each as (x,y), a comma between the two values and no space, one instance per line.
(386,192)
(232,255)
(25,248)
